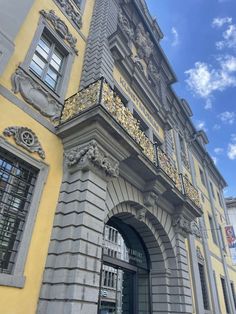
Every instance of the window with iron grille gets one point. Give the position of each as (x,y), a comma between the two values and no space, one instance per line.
(203,286)
(225,295)
(17,180)
(47,62)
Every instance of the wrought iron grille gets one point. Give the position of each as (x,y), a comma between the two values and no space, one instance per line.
(17,181)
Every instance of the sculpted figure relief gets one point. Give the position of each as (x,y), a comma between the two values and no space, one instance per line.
(125,25)
(144,43)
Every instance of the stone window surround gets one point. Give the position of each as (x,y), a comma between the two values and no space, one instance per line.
(43,26)
(17,278)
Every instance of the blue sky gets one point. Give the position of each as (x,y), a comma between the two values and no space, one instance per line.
(200,43)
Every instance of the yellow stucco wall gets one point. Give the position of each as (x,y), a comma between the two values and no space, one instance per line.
(24,301)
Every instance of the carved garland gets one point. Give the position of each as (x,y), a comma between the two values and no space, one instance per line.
(71,11)
(61,28)
(26,138)
(95,156)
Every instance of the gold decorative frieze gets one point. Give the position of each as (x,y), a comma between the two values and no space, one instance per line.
(164,162)
(191,192)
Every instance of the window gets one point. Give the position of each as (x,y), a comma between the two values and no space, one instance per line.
(225,294)
(233,293)
(202,177)
(20,176)
(17,182)
(219,199)
(213,230)
(212,190)
(47,62)
(203,286)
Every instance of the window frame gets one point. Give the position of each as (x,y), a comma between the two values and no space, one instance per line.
(68,53)
(213,230)
(17,278)
(204,286)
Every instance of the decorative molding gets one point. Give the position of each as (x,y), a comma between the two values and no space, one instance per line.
(144,43)
(73,13)
(150,199)
(181,224)
(25,138)
(195,229)
(61,28)
(200,257)
(141,214)
(93,154)
(35,95)
(125,25)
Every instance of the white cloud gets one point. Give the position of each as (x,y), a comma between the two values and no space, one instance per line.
(201,125)
(233,137)
(175,34)
(227,117)
(208,104)
(204,79)
(231,151)
(220,21)
(216,127)
(218,150)
(229,38)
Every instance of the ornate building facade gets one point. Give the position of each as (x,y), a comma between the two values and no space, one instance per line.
(109,200)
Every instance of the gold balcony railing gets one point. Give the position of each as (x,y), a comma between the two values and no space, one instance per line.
(190,191)
(100,93)
(164,162)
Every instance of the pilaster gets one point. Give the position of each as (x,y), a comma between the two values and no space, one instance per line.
(71,278)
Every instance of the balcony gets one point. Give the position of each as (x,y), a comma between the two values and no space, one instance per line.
(101,94)
(190,191)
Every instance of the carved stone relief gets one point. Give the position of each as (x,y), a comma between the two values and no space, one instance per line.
(141,214)
(26,138)
(95,155)
(144,43)
(181,224)
(35,95)
(150,199)
(125,25)
(200,257)
(61,28)
(71,11)
(196,229)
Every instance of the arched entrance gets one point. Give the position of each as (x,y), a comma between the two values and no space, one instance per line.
(125,277)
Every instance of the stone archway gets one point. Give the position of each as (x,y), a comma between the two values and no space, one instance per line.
(161,253)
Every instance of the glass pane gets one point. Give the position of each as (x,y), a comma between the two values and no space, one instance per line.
(36,68)
(42,52)
(117,291)
(44,44)
(57,57)
(50,81)
(55,65)
(39,61)
(52,74)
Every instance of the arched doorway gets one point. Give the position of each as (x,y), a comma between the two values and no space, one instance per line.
(125,277)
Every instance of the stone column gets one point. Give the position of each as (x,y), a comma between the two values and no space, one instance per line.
(71,278)
(183,228)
